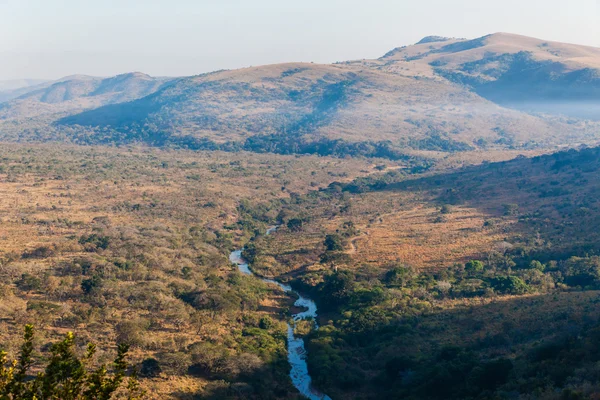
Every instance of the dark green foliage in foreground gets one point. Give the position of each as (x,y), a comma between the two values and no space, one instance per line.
(388,341)
(65,376)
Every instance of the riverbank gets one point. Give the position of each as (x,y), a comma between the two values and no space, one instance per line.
(304,308)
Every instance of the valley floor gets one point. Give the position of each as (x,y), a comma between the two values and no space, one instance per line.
(479,278)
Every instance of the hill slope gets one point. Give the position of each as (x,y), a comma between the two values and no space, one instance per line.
(516,71)
(441,94)
(51,100)
(437,279)
(311,101)
(14,88)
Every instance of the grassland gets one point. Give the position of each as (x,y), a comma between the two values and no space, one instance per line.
(470,279)
(130,245)
(481,278)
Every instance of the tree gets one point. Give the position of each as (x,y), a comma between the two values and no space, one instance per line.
(510,209)
(583,272)
(510,285)
(490,375)
(338,288)
(94,241)
(91,285)
(537,265)
(150,368)
(66,376)
(334,242)
(399,276)
(474,266)
(445,209)
(132,332)
(295,224)
(29,282)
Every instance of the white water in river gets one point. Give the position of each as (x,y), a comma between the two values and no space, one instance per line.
(296,351)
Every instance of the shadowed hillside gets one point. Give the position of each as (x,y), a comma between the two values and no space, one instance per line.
(48,101)
(484,281)
(524,73)
(439,95)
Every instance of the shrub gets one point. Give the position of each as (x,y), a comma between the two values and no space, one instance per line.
(29,282)
(176,363)
(150,368)
(39,252)
(338,288)
(510,209)
(537,265)
(91,285)
(474,266)
(399,276)
(445,209)
(490,375)
(207,358)
(295,224)
(132,332)
(510,285)
(265,323)
(334,242)
(95,241)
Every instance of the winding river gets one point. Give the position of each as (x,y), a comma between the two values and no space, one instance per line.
(296,351)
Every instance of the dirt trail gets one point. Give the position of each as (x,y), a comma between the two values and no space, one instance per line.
(352,242)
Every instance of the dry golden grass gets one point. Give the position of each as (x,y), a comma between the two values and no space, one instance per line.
(412,237)
(395,227)
(52,195)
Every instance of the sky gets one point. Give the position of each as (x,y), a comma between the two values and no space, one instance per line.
(49,39)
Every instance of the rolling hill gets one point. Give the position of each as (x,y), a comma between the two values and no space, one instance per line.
(520,72)
(442,95)
(48,101)
(14,88)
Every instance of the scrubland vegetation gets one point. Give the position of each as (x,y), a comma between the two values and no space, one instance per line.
(130,246)
(474,283)
(481,283)
(440,269)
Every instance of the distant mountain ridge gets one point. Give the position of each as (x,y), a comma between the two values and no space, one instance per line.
(516,71)
(15,84)
(76,93)
(441,94)
(122,87)
(12,89)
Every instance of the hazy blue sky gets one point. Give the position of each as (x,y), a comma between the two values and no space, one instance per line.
(54,38)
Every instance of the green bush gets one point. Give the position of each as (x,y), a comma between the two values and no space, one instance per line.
(510,285)
(474,266)
(334,242)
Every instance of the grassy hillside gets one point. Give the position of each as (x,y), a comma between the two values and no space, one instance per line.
(479,283)
(131,246)
(286,108)
(524,73)
(446,95)
(33,108)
